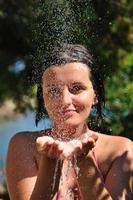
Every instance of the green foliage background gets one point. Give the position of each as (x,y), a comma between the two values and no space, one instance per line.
(29,29)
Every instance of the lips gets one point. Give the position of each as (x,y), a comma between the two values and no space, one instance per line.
(69,112)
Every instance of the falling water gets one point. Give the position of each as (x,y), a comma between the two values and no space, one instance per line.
(69,192)
(55,175)
(58,22)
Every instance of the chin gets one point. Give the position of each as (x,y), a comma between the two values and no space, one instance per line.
(71,122)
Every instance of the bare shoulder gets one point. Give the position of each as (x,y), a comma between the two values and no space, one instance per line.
(25,140)
(110,149)
(114,145)
(22,152)
(21,142)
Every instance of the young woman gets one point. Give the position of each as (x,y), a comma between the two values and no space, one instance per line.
(70,161)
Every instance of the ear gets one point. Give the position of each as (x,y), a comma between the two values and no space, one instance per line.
(95,100)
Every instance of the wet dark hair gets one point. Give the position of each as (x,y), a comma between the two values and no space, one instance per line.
(68,53)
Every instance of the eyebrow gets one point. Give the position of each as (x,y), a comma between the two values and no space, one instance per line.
(72,82)
(52,85)
(49,85)
(77,82)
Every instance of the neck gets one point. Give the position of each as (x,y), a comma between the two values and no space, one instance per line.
(68,132)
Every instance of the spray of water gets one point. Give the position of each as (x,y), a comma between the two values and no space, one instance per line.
(58,22)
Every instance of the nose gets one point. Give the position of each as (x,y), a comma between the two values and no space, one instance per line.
(66,97)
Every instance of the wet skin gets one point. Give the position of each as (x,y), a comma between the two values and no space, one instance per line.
(69,96)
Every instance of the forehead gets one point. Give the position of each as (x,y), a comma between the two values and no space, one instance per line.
(67,73)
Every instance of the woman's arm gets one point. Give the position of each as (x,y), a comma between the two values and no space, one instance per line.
(25,181)
(119,180)
(118,184)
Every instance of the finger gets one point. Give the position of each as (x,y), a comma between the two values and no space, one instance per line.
(44,148)
(89,134)
(44,139)
(50,151)
(53,150)
(61,146)
(94,136)
(88,144)
(56,149)
(44,143)
(90,140)
(78,146)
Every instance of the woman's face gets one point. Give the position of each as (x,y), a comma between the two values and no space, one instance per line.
(68,93)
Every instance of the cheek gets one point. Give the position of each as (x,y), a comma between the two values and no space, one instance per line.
(51,105)
(85,100)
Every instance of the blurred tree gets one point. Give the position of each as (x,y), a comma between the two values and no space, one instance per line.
(14,48)
(29,30)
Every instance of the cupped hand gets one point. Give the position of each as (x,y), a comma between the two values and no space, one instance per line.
(48,146)
(81,146)
(88,141)
(59,149)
